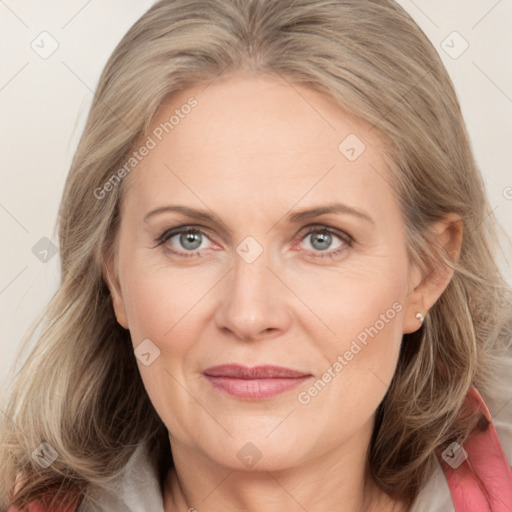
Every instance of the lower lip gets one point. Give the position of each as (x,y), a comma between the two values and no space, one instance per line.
(255,389)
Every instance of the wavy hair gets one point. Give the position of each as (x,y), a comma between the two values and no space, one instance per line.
(80,390)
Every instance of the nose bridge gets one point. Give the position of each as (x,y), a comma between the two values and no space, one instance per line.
(253,300)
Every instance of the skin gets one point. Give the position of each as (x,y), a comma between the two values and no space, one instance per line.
(252,152)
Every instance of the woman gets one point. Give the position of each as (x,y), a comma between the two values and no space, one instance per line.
(278,279)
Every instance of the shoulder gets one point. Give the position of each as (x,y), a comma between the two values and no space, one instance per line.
(498,399)
(478,474)
(136,487)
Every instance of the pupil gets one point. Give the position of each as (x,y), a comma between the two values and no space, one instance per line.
(190,237)
(325,238)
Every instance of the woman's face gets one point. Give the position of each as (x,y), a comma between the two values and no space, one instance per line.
(259,281)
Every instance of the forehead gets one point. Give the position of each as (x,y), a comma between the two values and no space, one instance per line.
(256,112)
(261,136)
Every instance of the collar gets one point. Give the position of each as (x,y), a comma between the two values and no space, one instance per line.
(477,473)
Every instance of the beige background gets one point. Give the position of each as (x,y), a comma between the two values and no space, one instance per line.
(44,102)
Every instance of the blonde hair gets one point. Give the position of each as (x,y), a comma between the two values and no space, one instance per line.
(80,388)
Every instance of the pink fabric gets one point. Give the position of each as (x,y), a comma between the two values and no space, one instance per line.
(483,481)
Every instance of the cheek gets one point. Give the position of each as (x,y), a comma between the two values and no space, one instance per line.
(363,309)
(367,342)
(160,306)
(150,314)
(353,302)
(357,370)
(159,298)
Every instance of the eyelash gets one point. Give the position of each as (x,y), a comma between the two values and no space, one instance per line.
(343,236)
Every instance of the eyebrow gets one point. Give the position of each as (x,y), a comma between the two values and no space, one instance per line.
(298,216)
(329,208)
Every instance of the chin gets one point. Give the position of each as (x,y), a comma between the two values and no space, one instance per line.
(257,455)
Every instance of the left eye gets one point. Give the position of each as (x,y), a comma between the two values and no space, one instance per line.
(322,238)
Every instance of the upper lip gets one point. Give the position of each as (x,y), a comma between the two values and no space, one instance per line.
(238,371)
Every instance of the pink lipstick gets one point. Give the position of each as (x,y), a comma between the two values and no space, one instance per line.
(256,383)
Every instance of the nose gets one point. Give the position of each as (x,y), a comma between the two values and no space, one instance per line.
(254,302)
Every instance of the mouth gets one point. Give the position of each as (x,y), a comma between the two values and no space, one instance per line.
(256,383)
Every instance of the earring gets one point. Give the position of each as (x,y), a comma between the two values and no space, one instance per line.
(420,317)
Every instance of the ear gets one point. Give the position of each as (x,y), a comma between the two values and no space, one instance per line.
(428,285)
(110,276)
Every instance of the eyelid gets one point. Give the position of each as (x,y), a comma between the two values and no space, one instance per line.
(324,227)
(177,230)
(347,240)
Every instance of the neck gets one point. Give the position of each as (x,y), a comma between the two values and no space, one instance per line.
(335,481)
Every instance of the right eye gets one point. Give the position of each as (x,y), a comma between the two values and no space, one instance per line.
(188,237)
